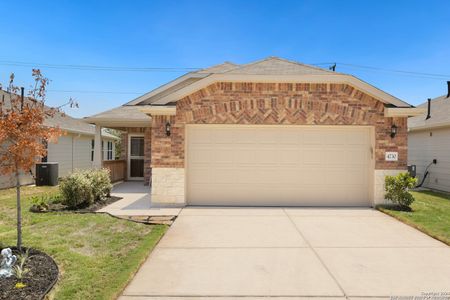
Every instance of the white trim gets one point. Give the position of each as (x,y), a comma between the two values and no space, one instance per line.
(430,126)
(160,110)
(329,78)
(119,123)
(403,111)
(129,155)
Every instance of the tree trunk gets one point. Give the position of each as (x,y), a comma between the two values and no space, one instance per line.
(19,213)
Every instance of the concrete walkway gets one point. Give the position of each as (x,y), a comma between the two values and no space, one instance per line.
(255,253)
(136,201)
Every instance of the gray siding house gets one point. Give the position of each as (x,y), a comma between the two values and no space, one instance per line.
(429,144)
(73,150)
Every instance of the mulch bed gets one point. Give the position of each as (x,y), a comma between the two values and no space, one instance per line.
(395,207)
(93,208)
(42,276)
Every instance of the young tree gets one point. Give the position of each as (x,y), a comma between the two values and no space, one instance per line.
(23,135)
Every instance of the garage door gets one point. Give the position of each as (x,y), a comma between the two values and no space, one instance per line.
(278,165)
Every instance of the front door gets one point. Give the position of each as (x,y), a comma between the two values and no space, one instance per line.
(136,158)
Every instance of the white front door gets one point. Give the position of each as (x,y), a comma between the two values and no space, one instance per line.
(279,165)
(136,157)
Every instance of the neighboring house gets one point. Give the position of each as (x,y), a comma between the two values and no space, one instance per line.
(272,132)
(428,140)
(74,149)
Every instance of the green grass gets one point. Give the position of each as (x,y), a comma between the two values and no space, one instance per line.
(96,253)
(430,214)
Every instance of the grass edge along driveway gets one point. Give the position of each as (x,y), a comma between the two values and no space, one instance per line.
(96,253)
(430,214)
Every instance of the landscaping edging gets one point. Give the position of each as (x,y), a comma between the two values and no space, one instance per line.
(40,280)
(63,208)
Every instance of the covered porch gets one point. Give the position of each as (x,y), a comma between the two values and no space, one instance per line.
(134,163)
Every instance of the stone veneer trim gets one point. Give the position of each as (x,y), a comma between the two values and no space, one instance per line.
(168,186)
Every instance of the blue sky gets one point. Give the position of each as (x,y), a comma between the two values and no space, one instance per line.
(403,35)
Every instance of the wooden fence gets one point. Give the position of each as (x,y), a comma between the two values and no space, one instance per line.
(117,168)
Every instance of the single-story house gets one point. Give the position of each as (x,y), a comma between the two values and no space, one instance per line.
(269,133)
(429,144)
(73,150)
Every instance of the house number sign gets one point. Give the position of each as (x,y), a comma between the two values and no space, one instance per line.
(391,156)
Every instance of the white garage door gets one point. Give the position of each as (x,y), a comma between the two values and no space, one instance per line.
(278,165)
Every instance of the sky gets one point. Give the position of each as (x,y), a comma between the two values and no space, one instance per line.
(388,35)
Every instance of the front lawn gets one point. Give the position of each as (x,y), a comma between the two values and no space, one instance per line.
(430,214)
(97,254)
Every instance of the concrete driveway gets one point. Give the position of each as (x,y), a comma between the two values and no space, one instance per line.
(290,253)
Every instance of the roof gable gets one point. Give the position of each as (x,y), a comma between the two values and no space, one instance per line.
(278,66)
(271,69)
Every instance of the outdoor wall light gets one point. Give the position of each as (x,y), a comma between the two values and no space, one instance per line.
(168,128)
(393,131)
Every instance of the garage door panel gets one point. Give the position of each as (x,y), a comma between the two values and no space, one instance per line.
(311,137)
(357,137)
(200,175)
(278,165)
(312,155)
(201,155)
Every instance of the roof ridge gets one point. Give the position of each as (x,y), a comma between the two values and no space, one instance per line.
(268,58)
(215,66)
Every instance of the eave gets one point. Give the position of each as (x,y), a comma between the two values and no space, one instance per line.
(390,112)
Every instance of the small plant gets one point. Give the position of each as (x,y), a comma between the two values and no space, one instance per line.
(19,269)
(397,187)
(40,203)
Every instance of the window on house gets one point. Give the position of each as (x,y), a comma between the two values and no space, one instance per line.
(109,151)
(92,149)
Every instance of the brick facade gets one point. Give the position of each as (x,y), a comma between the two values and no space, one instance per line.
(277,103)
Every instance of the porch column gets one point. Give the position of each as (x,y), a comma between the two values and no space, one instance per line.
(98,147)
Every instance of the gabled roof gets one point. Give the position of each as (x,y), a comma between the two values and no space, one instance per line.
(278,66)
(440,115)
(222,68)
(126,115)
(63,121)
(271,69)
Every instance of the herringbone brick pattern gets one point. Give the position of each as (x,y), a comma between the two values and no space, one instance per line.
(277,103)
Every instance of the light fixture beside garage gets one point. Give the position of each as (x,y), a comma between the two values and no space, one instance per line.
(393,130)
(168,128)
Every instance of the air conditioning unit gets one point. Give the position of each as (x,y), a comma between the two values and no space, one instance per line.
(47,173)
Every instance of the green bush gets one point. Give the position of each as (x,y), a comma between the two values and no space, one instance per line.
(100,182)
(83,187)
(76,190)
(397,189)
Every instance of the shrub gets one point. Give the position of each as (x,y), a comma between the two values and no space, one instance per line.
(397,189)
(100,182)
(83,187)
(76,190)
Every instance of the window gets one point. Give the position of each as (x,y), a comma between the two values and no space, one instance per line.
(92,149)
(109,151)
